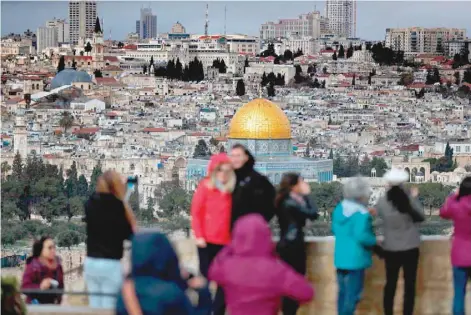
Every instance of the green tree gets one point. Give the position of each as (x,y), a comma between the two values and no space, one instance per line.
(201,150)
(71,183)
(457,78)
(240,89)
(135,201)
(75,207)
(350,51)
(74,64)
(68,239)
(97,172)
(467,76)
(176,202)
(61,65)
(17,169)
(222,66)
(213,141)
(82,186)
(341,52)
(288,54)
(97,73)
(147,214)
(66,121)
(88,48)
(9,209)
(271,90)
(326,195)
(334,56)
(151,63)
(264,79)
(331,154)
(5,168)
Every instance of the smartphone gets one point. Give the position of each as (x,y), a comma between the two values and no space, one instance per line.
(131,184)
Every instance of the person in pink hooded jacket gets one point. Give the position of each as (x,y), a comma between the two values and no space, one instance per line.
(254,279)
(458,208)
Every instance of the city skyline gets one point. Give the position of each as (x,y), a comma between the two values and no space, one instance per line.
(120,17)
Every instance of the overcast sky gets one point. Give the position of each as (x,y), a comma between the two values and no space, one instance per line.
(120,17)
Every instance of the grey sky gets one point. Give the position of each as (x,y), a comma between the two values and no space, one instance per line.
(373,17)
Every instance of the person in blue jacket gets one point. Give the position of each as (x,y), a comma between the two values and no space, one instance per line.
(354,241)
(156,285)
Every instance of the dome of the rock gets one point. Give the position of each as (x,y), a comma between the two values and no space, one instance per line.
(69,76)
(260,119)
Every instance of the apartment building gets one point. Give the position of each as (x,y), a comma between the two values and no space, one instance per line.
(418,40)
(454,47)
(308,45)
(306,25)
(62,29)
(341,15)
(47,37)
(82,17)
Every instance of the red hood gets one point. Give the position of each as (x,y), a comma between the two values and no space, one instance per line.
(217,160)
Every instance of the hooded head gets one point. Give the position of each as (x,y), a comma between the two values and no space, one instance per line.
(153,256)
(215,166)
(252,236)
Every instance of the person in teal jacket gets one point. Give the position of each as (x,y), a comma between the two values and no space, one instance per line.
(354,241)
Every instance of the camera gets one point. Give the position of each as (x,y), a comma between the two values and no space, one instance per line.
(132,180)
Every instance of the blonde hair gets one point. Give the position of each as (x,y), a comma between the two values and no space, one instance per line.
(228,187)
(111,182)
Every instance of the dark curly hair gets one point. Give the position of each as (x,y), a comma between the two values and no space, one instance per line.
(38,246)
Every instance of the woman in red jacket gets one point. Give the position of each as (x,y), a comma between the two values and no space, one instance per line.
(211,216)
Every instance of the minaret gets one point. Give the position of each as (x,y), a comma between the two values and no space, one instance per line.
(20,136)
(206,24)
(98,47)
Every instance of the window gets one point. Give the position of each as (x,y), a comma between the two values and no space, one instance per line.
(467,148)
(458,149)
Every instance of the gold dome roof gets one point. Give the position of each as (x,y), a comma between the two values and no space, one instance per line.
(260,119)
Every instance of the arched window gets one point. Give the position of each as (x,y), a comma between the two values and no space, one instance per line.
(132,167)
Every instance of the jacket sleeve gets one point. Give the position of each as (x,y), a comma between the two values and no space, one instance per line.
(363,230)
(310,209)
(204,302)
(416,211)
(30,277)
(334,221)
(197,210)
(216,269)
(295,285)
(446,211)
(269,194)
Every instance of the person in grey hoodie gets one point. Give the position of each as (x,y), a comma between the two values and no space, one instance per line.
(400,212)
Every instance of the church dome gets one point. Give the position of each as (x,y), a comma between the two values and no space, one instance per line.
(69,76)
(260,119)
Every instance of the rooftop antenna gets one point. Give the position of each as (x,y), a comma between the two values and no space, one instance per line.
(206,24)
(225,12)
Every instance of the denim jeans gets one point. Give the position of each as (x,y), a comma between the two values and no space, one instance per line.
(350,283)
(103,276)
(461,275)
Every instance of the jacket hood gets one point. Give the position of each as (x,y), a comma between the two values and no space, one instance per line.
(153,256)
(464,204)
(252,236)
(217,160)
(349,208)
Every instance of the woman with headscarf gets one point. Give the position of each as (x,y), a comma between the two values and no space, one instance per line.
(211,216)
(400,211)
(354,241)
(110,221)
(43,272)
(294,207)
(458,209)
(254,279)
(155,285)
(253,192)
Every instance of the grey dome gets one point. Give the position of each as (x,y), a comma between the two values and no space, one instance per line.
(69,76)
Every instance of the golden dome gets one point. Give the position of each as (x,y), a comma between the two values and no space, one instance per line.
(260,119)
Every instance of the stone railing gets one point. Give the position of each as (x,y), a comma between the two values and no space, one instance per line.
(434,280)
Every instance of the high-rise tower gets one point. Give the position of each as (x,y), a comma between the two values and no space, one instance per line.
(20,136)
(147,25)
(82,16)
(341,15)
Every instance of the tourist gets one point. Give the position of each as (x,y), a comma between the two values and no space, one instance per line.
(458,208)
(400,211)
(253,278)
(253,192)
(354,241)
(293,208)
(211,216)
(43,272)
(155,285)
(109,222)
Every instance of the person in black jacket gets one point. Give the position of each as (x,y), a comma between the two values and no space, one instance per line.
(293,208)
(109,221)
(253,192)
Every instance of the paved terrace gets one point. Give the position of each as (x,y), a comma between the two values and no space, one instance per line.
(434,281)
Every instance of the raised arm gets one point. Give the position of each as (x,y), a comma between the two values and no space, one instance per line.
(416,211)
